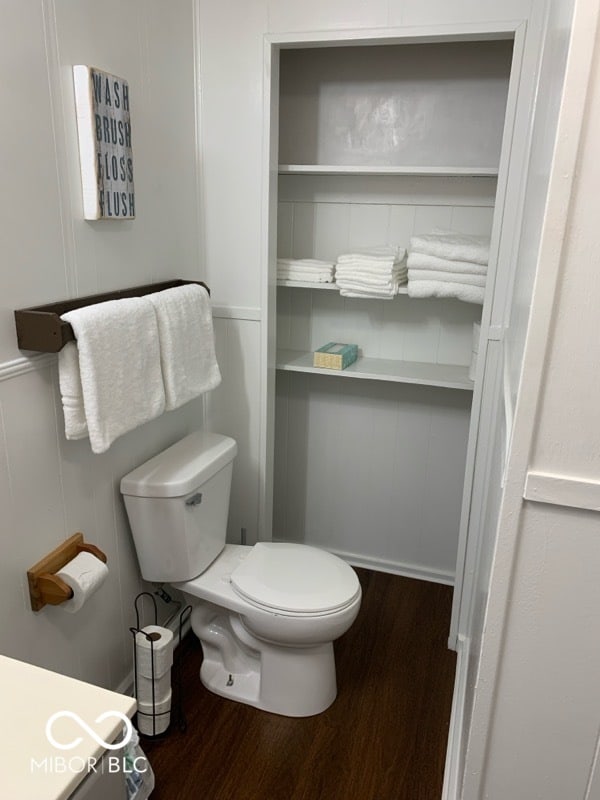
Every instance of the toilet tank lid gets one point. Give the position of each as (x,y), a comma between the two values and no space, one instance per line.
(181,468)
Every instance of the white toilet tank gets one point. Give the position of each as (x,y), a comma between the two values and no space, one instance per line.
(178,503)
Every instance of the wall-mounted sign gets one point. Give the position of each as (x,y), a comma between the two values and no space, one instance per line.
(104,132)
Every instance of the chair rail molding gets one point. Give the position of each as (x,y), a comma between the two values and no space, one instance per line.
(563,490)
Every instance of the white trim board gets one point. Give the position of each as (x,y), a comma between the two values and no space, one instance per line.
(404,569)
(562,490)
(19,366)
(453,768)
(236,312)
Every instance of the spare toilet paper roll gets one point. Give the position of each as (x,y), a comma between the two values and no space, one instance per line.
(158,641)
(152,725)
(162,687)
(85,574)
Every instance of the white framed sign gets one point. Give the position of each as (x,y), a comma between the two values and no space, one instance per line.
(105,152)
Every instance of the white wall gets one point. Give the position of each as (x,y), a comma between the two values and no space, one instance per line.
(51,488)
(231,76)
(535,721)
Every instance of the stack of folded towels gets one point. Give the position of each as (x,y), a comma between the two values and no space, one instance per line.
(448,264)
(374,272)
(310,270)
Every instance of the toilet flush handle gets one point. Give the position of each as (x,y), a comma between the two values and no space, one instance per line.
(194,500)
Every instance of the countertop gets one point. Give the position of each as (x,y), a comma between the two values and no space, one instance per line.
(31,767)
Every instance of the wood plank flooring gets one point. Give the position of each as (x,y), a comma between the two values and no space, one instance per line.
(384,738)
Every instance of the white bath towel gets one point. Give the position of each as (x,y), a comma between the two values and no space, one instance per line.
(368,276)
(461,291)
(187,343)
(311,264)
(448,277)
(69,379)
(382,253)
(119,367)
(424,261)
(452,246)
(307,277)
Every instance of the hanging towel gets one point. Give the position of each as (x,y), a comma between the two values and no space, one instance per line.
(69,379)
(461,291)
(453,246)
(119,368)
(424,261)
(187,343)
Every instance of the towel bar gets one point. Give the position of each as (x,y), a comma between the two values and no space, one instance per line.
(41,328)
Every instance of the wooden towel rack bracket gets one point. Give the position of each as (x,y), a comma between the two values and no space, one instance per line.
(41,328)
(46,588)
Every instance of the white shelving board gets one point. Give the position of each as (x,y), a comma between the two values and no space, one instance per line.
(424,171)
(448,376)
(330,286)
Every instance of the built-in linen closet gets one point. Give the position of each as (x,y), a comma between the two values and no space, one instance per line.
(377,143)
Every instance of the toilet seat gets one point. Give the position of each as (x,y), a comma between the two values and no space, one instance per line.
(295,579)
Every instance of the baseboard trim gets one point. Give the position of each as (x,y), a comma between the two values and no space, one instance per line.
(453,768)
(393,567)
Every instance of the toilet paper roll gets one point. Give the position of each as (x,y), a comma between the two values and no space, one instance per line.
(162,687)
(85,574)
(160,644)
(153,725)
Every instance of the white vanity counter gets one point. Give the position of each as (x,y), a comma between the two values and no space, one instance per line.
(31,767)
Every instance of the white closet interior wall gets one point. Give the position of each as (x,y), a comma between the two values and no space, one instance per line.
(371,469)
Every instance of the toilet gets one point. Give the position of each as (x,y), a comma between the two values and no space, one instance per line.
(266,615)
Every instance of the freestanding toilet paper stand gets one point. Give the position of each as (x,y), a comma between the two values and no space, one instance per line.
(177,705)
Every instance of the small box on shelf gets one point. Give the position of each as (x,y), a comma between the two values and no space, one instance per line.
(335,355)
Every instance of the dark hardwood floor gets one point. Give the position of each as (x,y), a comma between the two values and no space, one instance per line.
(384,738)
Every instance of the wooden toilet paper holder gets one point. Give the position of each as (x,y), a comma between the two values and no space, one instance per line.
(46,588)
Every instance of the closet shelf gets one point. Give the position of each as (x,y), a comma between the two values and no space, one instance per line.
(41,328)
(447,376)
(309,285)
(421,171)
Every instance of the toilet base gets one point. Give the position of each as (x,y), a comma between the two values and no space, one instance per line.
(291,681)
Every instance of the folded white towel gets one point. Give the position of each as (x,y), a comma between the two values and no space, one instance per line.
(284,270)
(368,283)
(376,276)
(119,366)
(383,253)
(366,295)
(423,261)
(447,277)
(308,277)
(453,246)
(187,343)
(307,263)
(71,392)
(461,291)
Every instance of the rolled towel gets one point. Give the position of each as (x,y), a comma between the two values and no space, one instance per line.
(447,277)
(424,261)
(119,367)
(461,291)
(187,343)
(452,246)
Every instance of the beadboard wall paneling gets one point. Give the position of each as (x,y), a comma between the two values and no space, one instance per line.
(372,469)
(51,488)
(321,217)
(233,409)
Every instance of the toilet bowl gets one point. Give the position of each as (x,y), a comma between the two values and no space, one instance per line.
(266,615)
